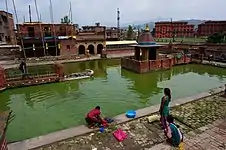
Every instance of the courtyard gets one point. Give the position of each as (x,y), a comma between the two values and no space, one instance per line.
(201,121)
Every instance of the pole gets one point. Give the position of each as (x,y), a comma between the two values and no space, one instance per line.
(72,40)
(29,8)
(40,17)
(43,42)
(52,20)
(17,21)
(118,23)
(71,14)
(7,14)
(172,28)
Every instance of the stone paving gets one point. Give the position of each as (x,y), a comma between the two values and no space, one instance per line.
(212,137)
(199,113)
(141,134)
(192,118)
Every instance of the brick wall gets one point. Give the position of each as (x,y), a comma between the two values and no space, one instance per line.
(120,51)
(152,65)
(60,29)
(67,48)
(2,78)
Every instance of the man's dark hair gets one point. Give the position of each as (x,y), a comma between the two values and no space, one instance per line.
(170,119)
(98,107)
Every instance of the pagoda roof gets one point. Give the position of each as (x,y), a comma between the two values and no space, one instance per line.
(146,39)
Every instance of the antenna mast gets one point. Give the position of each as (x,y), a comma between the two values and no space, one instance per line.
(71,13)
(118,23)
(7,14)
(39,20)
(52,20)
(17,21)
(72,26)
(29,9)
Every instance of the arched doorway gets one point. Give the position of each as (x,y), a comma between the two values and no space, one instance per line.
(81,50)
(99,48)
(91,49)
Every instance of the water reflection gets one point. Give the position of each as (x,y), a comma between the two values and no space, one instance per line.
(147,85)
(99,67)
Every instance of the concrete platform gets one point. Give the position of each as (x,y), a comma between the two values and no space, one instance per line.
(75,131)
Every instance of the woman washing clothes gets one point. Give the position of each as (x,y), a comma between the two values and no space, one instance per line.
(164,107)
(93,118)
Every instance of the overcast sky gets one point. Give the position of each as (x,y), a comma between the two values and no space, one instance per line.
(87,12)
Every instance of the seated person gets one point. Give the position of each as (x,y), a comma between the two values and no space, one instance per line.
(173,133)
(93,117)
(23,69)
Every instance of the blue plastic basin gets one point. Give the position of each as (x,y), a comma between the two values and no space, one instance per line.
(131,114)
(102,129)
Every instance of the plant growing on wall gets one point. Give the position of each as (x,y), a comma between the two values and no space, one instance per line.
(178,57)
(66,20)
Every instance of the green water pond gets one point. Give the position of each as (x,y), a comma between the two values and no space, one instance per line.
(47,108)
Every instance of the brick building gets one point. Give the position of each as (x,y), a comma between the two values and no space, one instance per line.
(31,34)
(112,34)
(210,27)
(69,40)
(7,34)
(92,38)
(177,28)
(35,29)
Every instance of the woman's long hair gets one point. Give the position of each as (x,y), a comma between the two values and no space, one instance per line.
(167,92)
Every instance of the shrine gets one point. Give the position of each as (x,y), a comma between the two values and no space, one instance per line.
(147,57)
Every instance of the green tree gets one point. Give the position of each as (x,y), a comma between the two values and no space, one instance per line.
(130,32)
(65,19)
(217,38)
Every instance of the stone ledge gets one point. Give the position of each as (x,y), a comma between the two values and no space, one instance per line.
(76,131)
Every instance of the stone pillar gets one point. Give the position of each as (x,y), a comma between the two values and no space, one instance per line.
(201,59)
(137,53)
(156,52)
(144,54)
(95,50)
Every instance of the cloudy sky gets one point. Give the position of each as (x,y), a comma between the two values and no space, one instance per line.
(87,12)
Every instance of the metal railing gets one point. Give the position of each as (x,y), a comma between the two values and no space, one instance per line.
(33,72)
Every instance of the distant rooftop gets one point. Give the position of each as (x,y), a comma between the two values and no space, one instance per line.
(37,22)
(214,21)
(5,12)
(120,42)
(163,22)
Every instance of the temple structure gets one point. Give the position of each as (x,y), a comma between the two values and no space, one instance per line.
(147,57)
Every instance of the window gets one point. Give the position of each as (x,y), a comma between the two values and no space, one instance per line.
(1,37)
(47,31)
(31,31)
(68,47)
